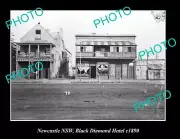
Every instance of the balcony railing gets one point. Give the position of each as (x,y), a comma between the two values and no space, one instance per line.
(106,54)
(33,54)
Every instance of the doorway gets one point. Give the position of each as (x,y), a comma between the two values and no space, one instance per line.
(118,71)
(93,71)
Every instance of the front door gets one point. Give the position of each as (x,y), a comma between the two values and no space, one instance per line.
(93,71)
(124,71)
(130,72)
(118,71)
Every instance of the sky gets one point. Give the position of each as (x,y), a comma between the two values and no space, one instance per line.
(141,23)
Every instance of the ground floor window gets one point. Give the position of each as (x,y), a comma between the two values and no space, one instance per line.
(83,69)
(154,74)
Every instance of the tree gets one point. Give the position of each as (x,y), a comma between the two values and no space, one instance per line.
(159,15)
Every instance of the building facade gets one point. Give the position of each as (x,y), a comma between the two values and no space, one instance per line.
(105,56)
(40,44)
(156,69)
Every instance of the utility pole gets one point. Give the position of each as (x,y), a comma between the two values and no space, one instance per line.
(80,60)
(147,76)
(147,68)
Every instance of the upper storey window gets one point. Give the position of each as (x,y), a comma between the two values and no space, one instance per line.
(38,31)
(83,48)
(38,35)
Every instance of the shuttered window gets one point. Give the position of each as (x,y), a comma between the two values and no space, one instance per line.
(125,49)
(120,48)
(77,48)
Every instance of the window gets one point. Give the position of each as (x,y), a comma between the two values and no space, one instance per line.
(83,49)
(114,49)
(117,49)
(38,35)
(38,31)
(120,48)
(125,49)
(89,49)
(77,48)
(129,49)
(47,50)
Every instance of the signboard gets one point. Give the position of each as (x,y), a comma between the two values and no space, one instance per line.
(103,68)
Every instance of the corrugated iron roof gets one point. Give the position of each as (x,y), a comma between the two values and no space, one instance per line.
(123,43)
(105,35)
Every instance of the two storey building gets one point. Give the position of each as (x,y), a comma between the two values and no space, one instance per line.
(105,56)
(40,44)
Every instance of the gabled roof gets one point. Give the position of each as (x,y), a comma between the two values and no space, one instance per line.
(33,28)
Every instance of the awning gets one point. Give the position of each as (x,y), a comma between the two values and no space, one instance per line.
(121,43)
(155,67)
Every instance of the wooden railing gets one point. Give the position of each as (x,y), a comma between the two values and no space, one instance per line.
(106,54)
(33,54)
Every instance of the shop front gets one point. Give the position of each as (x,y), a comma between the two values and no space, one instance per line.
(103,70)
(83,70)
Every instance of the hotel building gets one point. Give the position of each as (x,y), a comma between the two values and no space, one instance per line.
(105,56)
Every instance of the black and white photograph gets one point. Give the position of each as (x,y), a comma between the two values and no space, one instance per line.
(88,65)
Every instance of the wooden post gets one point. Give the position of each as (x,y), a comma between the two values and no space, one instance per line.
(50,68)
(16,58)
(90,71)
(80,61)
(29,60)
(38,61)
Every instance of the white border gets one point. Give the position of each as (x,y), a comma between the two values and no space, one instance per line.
(89,120)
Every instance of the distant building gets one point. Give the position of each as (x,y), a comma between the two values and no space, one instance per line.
(156,69)
(105,56)
(39,44)
(69,61)
(66,68)
(13,56)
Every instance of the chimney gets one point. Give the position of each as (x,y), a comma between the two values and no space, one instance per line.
(61,33)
